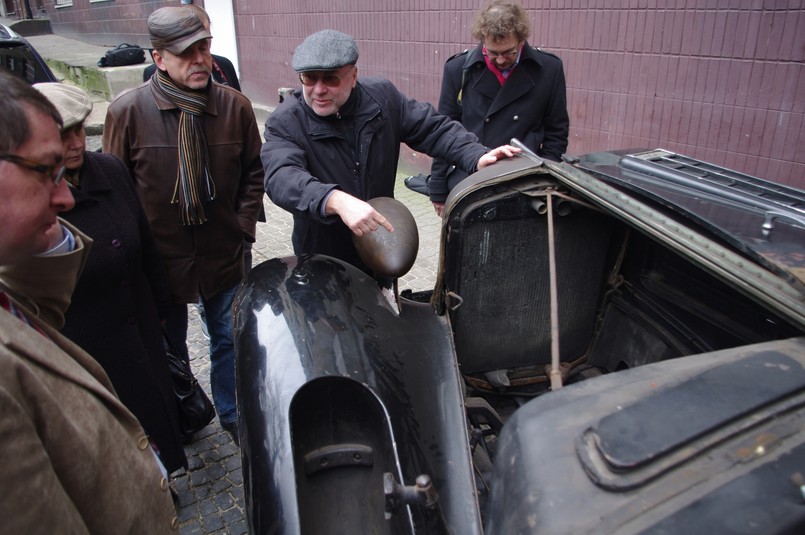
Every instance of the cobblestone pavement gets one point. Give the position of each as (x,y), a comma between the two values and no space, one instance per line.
(211,490)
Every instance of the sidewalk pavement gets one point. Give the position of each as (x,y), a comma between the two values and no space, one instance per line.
(211,489)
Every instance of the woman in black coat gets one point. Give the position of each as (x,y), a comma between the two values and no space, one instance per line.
(122,292)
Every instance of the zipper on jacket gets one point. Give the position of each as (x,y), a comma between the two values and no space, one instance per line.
(357,168)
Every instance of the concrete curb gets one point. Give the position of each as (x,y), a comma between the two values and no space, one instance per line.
(29,27)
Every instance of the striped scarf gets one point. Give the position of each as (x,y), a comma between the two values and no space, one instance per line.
(14,310)
(194,185)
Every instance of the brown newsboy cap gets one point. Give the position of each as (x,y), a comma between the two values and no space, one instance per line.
(175,28)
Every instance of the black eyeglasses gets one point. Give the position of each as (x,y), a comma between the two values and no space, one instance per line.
(53,172)
(330,80)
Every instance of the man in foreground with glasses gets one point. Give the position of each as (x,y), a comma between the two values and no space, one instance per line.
(75,460)
(335,145)
(193,149)
(503,88)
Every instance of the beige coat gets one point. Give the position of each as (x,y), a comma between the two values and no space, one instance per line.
(74,459)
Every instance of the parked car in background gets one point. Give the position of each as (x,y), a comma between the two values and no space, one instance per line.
(18,56)
(614,344)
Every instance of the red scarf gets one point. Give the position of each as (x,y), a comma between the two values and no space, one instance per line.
(494,68)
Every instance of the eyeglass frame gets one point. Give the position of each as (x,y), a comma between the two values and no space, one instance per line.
(323,78)
(54,172)
(507,54)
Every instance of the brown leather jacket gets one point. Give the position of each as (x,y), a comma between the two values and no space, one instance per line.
(141,129)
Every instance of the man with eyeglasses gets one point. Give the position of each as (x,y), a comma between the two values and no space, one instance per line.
(193,149)
(335,144)
(502,89)
(75,460)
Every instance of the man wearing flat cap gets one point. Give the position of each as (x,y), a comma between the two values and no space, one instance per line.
(335,144)
(193,149)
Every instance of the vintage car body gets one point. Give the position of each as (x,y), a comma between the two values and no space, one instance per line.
(615,344)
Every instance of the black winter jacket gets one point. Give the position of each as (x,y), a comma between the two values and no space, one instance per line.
(305,156)
(531,106)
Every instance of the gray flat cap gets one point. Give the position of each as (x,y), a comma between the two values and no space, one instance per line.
(175,28)
(72,102)
(326,50)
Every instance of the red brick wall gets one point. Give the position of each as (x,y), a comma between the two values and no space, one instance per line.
(105,23)
(722,80)
(726,85)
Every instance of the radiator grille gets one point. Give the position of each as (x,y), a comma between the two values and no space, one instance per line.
(504,321)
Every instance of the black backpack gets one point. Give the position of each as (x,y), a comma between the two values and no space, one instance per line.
(123,54)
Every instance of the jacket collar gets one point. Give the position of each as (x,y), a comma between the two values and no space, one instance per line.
(165,103)
(520,81)
(92,179)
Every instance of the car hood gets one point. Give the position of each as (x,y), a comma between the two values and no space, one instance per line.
(764,220)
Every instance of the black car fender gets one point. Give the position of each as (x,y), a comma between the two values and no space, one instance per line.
(337,388)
